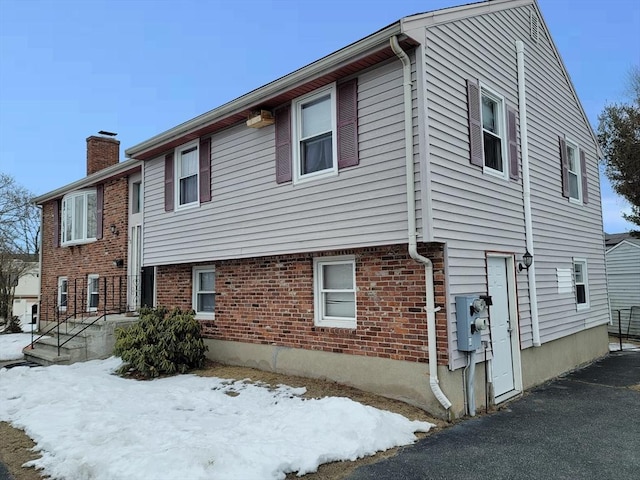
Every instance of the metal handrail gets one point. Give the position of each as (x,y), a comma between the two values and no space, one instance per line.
(110,292)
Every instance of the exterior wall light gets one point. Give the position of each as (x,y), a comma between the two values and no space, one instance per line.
(118,262)
(114,229)
(527,258)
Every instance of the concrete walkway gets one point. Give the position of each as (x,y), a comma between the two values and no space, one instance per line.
(582,426)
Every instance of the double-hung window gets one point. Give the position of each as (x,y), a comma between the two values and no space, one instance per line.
(335,291)
(63,293)
(493,131)
(187,170)
(314,131)
(581,283)
(204,291)
(93,292)
(573,172)
(79,217)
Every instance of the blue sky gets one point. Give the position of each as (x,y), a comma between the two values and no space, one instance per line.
(69,68)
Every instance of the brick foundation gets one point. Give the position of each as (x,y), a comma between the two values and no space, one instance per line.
(269,300)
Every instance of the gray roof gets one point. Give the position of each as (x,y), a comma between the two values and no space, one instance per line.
(612,239)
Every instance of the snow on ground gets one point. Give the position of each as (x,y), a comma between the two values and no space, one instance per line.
(11,345)
(615,347)
(91,424)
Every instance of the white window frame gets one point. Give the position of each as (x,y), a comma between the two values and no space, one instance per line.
(486,91)
(69,202)
(585,282)
(61,281)
(296,129)
(90,277)
(320,319)
(570,145)
(178,174)
(195,289)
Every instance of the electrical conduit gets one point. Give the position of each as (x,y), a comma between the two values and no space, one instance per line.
(411,214)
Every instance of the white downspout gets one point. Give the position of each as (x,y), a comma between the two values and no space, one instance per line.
(411,214)
(526,193)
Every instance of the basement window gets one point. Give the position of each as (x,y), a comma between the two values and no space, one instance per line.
(335,291)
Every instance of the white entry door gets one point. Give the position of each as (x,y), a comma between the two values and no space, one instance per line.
(501,327)
(134,268)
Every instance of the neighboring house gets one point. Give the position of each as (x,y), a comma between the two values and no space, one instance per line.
(623,279)
(25,298)
(91,238)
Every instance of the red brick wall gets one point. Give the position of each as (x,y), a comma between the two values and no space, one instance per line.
(78,261)
(101,153)
(270,301)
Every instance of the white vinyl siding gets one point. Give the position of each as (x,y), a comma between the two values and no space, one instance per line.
(474,213)
(623,279)
(251,215)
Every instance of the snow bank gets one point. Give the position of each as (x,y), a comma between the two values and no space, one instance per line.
(90,424)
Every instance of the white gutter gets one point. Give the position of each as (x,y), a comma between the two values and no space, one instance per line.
(411,217)
(270,90)
(526,193)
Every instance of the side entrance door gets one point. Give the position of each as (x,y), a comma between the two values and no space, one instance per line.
(134,268)
(503,328)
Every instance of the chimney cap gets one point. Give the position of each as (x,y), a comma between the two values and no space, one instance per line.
(109,134)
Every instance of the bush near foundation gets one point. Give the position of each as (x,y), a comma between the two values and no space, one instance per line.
(162,342)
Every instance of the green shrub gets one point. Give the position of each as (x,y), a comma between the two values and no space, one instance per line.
(161,343)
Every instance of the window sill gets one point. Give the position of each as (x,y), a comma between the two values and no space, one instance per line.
(581,307)
(336,324)
(494,173)
(78,242)
(575,201)
(205,316)
(316,176)
(187,206)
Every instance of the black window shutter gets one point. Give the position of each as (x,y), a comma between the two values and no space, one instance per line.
(564,163)
(205,170)
(56,223)
(512,132)
(168,182)
(583,174)
(283,144)
(347,103)
(475,123)
(99,210)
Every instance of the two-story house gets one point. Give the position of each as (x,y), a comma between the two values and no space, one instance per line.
(327,223)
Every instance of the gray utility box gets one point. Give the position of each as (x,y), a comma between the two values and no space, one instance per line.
(471,317)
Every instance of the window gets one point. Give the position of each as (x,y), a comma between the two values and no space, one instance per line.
(136,197)
(93,292)
(204,291)
(581,283)
(573,171)
(63,293)
(79,217)
(493,131)
(187,169)
(314,127)
(335,291)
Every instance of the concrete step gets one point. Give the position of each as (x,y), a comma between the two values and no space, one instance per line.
(75,350)
(45,357)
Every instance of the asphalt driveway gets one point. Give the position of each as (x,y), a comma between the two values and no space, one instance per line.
(584,426)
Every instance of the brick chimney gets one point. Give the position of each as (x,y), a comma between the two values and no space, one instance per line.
(102,152)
